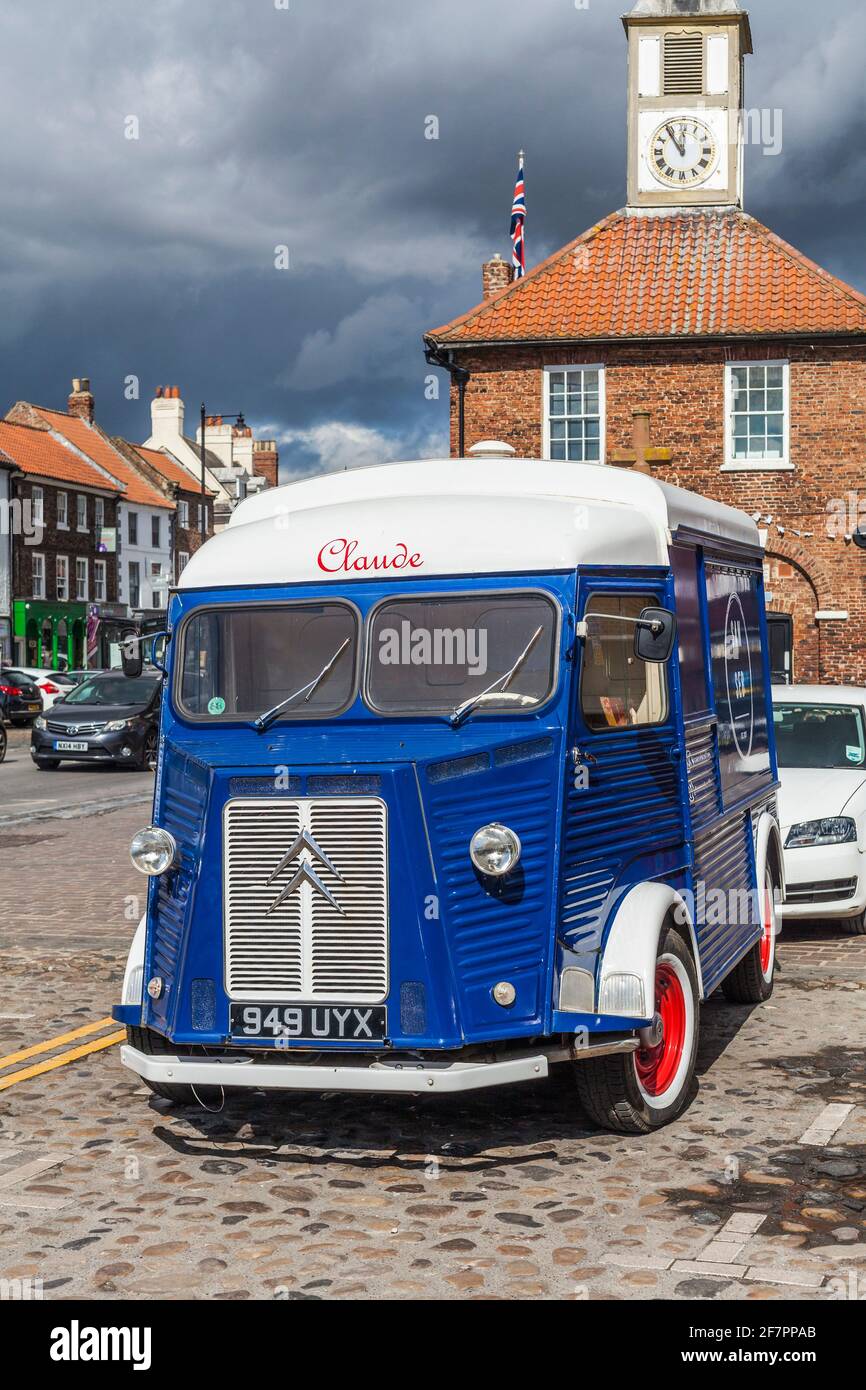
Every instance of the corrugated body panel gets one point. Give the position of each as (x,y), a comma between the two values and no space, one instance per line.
(184,800)
(629,809)
(721,886)
(495,932)
(702,773)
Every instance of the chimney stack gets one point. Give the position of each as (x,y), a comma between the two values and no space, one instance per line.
(81,402)
(266,461)
(166,416)
(496,275)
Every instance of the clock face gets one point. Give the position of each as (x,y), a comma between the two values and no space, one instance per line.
(683,152)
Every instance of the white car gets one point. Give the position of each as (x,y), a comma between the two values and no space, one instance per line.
(821,746)
(52,684)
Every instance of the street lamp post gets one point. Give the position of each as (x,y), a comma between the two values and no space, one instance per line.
(202,452)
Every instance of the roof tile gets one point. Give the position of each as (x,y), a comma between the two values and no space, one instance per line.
(39,452)
(671,275)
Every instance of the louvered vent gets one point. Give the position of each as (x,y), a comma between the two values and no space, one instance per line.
(684,64)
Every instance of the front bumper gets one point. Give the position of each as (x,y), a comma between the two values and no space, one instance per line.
(402,1078)
(363,1072)
(105,748)
(824,881)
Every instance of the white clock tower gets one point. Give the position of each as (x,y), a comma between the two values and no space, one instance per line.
(685,102)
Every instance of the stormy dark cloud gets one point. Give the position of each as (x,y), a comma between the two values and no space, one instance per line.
(261,126)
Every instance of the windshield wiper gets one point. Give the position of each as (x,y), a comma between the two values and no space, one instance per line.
(265,720)
(499,685)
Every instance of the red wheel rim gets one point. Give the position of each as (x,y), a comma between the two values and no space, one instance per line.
(657,1066)
(767,938)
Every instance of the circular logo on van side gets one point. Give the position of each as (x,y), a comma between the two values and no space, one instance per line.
(738,677)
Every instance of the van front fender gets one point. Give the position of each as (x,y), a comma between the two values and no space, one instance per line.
(626,985)
(133,975)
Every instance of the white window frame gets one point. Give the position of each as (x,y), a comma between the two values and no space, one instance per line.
(155,530)
(183,514)
(64,524)
(100,581)
(37,506)
(82,592)
(98,514)
(740,465)
(38,588)
(137,564)
(81,511)
(602,404)
(61,562)
(182,561)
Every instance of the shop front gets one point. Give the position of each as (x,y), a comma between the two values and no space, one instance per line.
(50,635)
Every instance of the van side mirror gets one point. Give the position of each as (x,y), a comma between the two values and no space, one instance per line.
(131,658)
(655,635)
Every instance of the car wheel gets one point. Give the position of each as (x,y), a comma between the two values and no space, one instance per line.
(856,926)
(636,1092)
(47,764)
(3,743)
(751,982)
(147,759)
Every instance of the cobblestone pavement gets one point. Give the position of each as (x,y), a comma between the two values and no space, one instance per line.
(758,1192)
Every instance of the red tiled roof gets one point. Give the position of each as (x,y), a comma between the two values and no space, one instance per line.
(37,451)
(91,441)
(169,467)
(671,275)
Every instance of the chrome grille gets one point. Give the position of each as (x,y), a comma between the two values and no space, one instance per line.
(306,947)
(73,729)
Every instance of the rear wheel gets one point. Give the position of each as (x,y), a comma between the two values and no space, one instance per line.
(3,743)
(155,1045)
(751,982)
(637,1092)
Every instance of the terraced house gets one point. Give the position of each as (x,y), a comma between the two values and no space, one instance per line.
(680,336)
(64,561)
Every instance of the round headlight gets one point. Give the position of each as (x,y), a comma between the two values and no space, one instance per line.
(494,850)
(152,851)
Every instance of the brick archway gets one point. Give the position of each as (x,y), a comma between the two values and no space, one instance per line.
(811,567)
(796,590)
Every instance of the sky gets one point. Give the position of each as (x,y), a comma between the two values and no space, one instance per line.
(156,158)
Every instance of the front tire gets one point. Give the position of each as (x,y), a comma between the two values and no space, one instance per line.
(636,1092)
(47,764)
(146,762)
(856,926)
(155,1045)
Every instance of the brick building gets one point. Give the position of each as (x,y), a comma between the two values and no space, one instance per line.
(63,545)
(165,472)
(681,336)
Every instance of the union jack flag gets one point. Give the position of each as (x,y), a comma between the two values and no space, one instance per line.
(518,217)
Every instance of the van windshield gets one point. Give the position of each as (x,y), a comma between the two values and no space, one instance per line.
(237,662)
(429,655)
(819,735)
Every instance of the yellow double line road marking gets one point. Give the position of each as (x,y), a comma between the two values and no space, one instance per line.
(51,1044)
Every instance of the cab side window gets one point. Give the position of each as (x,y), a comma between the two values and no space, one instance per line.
(617,690)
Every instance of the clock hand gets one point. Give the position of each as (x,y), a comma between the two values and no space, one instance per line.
(680,143)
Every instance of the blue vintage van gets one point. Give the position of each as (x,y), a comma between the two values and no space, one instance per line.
(466,769)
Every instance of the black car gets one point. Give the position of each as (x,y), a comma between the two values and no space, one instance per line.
(23,698)
(108,718)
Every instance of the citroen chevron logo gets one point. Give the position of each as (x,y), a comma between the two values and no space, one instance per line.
(305,873)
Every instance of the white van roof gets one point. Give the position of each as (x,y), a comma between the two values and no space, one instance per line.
(457,516)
